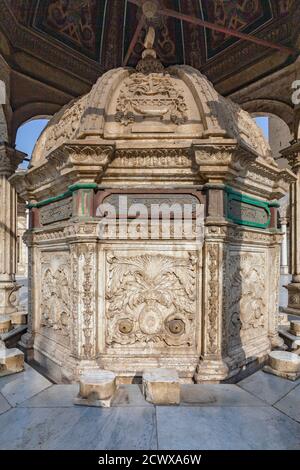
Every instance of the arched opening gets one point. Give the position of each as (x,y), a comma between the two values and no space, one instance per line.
(27,135)
(278,134)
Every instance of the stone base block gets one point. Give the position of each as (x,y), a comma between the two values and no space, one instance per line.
(161,386)
(283,319)
(295,328)
(285,375)
(5,324)
(97,388)
(210,371)
(283,364)
(11,361)
(19,318)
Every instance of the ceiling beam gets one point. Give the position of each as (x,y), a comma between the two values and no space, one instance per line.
(134,40)
(231,32)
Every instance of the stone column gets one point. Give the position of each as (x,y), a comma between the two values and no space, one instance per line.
(292,154)
(9,160)
(284,268)
(212,366)
(22,255)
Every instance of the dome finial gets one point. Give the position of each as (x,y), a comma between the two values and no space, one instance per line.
(149,62)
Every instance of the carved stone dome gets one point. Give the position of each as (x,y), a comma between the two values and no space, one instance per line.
(151,105)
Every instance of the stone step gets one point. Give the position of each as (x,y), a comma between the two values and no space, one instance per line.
(292,341)
(12,337)
(295,328)
(161,386)
(96,388)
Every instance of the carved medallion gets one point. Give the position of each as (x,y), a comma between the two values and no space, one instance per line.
(152,96)
(151,299)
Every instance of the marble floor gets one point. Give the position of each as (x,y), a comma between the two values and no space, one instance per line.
(261,412)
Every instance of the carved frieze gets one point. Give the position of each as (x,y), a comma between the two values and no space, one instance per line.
(153,158)
(248,214)
(57,211)
(151,300)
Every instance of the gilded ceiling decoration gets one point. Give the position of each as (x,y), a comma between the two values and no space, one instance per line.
(102,30)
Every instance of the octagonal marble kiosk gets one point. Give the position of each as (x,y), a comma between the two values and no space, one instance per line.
(102,299)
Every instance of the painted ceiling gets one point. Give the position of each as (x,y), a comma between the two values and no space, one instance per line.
(102,29)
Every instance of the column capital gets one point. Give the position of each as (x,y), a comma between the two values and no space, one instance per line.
(10,158)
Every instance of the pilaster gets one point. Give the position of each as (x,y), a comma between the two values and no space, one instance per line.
(9,160)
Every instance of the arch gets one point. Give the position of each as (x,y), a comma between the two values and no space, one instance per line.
(271,107)
(32,111)
(279,135)
(28,129)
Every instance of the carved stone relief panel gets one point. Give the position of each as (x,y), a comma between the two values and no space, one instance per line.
(57,211)
(151,96)
(151,300)
(55,316)
(246,296)
(83,297)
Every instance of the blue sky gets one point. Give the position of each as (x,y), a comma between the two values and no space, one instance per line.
(27,136)
(29,132)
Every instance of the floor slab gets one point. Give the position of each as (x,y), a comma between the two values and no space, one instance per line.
(267,387)
(19,387)
(4,405)
(55,396)
(290,404)
(217,395)
(226,428)
(78,428)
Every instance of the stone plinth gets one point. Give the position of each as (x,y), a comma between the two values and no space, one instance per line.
(161,387)
(97,388)
(11,360)
(5,324)
(19,318)
(284,364)
(295,328)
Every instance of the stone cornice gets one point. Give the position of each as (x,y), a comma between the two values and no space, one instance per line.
(292,154)
(66,165)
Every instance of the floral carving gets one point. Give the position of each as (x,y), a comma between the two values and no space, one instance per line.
(55,296)
(153,94)
(212,298)
(151,299)
(246,298)
(87,298)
